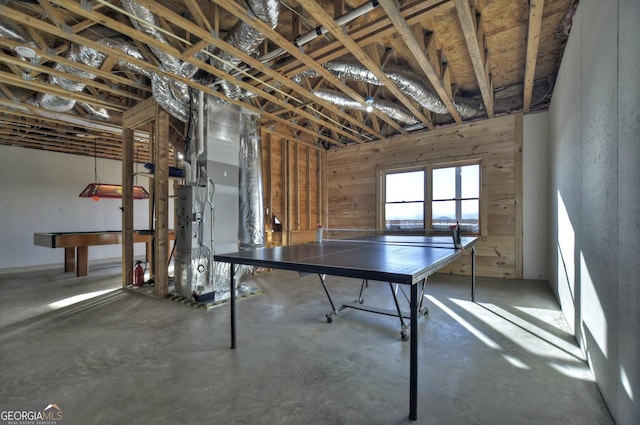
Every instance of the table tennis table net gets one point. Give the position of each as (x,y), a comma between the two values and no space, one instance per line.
(429,239)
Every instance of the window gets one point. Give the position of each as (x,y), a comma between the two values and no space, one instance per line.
(456,197)
(404,203)
(432,197)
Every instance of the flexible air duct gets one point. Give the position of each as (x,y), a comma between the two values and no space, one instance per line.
(408,82)
(161,90)
(246,39)
(170,63)
(130,50)
(393,110)
(171,95)
(251,224)
(81,54)
(9,29)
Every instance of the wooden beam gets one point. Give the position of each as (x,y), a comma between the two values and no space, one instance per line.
(286,188)
(197,14)
(87,82)
(336,31)
(107,76)
(127,207)
(467,21)
(518,192)
(418,53)
(161,202)
(30,21)
(296,23)
(234,8)
(55,90)
(533,40)
(375,31)
(52,13)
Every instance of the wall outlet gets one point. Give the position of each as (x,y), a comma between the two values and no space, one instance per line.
(512,257)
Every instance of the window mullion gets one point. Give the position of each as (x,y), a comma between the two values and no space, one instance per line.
(458,175)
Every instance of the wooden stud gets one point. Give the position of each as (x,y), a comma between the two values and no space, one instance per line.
(517,152)
(533,41)
(127,206)
(161,192)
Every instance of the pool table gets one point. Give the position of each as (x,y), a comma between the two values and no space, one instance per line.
(76,244)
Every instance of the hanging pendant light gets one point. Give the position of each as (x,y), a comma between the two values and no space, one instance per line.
(97,190)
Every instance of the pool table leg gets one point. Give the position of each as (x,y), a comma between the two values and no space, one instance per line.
(69,259)
(83,261)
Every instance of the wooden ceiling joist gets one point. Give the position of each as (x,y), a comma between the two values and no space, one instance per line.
(476,52)
(418,52)
(294,51)
(533,40)
(444,42)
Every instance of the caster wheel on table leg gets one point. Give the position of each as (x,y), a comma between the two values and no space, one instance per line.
(329,319)
(404,336)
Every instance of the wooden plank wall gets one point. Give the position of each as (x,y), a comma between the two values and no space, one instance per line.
(497,143)
(294,186)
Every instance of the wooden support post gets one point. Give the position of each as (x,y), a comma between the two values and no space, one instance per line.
(161,191)
(127,207)
(286,188)
(518,195)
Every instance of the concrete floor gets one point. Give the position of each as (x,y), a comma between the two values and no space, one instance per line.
(127,358)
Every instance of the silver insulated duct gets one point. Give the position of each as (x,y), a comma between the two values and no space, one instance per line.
(408,82)
(251,226)
(246,39)
(80,54)
(171,95)
(220,208)
(393,110)
(8,29)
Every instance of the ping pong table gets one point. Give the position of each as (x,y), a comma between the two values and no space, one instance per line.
(400,259)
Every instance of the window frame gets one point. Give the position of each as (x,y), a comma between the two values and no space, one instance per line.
(427,168)
(384,194)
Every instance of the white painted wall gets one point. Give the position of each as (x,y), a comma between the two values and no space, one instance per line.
(535,189)
(39,193)
(595,196)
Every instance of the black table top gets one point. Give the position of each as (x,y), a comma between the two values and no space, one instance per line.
(398,259)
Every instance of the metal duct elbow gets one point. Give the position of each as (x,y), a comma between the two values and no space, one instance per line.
(160,88)
(251,224)
(468,107)
(187,70)
(99,113)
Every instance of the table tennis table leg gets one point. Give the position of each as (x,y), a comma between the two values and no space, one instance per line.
(413,356)
(232,294)
(403,326)
(326,291)
(473,274)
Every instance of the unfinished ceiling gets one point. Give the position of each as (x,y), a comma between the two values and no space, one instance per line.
(68,69)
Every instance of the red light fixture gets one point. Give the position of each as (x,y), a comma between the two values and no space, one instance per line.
(99,190)
(111,191)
